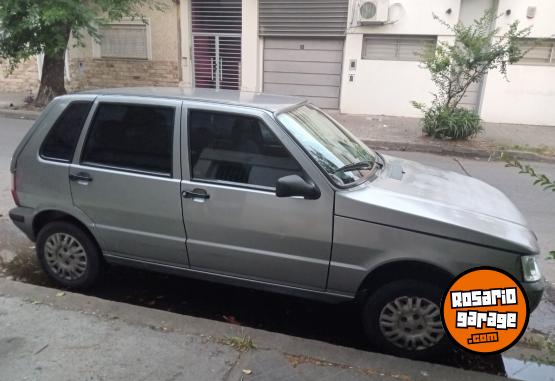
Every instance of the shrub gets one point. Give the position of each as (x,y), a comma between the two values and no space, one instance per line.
(478,48)
(443,122)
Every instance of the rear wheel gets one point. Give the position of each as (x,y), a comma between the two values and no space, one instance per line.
(68,254)
(404,318)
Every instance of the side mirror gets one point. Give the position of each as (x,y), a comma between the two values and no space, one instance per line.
(295,185)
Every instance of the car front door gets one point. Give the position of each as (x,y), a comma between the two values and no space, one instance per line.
(235,223)
(126,177)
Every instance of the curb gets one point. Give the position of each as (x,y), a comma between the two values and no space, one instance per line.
(19,114)
(457,151)
(174,323)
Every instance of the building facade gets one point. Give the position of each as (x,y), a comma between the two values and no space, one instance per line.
(357,56)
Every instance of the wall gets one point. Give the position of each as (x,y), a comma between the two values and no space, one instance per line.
(96,73)
(388,87)
(382,87)
(88,70)
(529,95)
(23,78)
(250,46)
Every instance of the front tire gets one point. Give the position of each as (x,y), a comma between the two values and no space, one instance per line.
(68,255)
(403,318)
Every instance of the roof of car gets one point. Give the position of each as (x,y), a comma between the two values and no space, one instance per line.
(270,102)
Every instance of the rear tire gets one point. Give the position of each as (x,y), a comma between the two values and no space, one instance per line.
(403,318)
(68,255)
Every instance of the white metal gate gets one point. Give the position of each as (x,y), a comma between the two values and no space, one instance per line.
(216,27)
(217,61)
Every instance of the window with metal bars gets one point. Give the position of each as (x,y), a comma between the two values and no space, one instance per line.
(537,51)
(125,40)
(395,47)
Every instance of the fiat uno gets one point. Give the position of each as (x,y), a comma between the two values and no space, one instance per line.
(259,191)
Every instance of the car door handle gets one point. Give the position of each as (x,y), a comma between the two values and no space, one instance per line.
(196,193)
(81,176)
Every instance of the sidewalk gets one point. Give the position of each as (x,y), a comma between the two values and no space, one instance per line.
(405,134)
(526,142)
(10,100)
(51,335)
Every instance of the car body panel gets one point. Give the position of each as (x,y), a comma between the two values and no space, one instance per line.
(441,203)
(248,232)
(360,247)
(135,214)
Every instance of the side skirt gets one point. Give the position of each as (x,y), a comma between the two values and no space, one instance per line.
(324,296)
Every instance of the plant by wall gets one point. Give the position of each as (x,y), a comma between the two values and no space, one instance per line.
(478,48)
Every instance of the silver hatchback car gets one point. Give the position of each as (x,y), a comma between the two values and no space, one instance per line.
(259,191)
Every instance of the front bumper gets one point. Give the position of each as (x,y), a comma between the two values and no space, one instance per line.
(534,292)
(22,217)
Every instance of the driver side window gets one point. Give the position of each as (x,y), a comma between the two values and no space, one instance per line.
(238,149)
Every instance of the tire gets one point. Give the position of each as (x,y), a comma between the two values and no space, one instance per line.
(394,324)
(68,255)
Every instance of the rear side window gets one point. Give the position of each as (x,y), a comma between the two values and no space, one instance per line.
(134,137)
(62,138)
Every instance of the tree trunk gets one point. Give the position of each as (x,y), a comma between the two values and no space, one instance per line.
(52,78)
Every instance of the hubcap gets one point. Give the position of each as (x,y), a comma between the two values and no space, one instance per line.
(65,256)
(411,322)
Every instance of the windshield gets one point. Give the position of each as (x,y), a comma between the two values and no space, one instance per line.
(329,144)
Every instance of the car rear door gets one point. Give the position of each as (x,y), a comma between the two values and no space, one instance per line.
(126,175)
(235,223)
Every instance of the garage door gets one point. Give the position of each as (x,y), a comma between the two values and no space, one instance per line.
(306,67)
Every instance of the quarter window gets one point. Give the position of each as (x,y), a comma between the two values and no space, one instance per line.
(135,137)
(62,138)
(238,149)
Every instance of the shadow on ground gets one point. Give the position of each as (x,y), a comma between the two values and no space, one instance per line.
(337,324)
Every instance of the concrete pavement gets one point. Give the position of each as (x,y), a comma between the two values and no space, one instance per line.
(12,100)
(405,134)
(51,335)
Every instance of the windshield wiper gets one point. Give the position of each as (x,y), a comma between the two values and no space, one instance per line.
(355,166)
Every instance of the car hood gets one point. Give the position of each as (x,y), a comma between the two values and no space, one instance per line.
(416,197)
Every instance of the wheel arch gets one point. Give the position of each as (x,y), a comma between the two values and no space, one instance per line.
(50,215)
(403,269)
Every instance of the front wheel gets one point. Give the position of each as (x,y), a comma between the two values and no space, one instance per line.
(68,254)
(403,318)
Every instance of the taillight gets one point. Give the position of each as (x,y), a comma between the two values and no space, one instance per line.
(14,191)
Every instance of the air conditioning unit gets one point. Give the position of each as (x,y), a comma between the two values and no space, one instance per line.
(373,12)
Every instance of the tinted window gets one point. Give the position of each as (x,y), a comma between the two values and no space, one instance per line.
(62,138)
(238,149)
(132,137)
